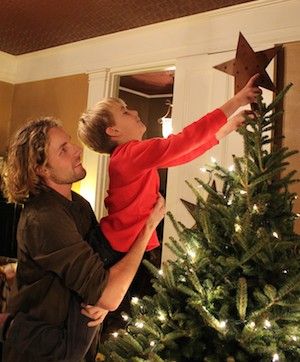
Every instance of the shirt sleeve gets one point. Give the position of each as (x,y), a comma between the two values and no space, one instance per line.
(56,246)
(177,149)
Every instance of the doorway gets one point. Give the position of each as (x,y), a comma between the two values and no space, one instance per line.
(150,93)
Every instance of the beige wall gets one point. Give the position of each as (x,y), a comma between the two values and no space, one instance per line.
(291,124)
(6,97)
(64,98)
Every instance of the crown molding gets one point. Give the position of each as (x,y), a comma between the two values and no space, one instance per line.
(8,69)
(261,21)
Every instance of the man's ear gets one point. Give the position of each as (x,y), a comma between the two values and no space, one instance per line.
(112,131)
(41,170)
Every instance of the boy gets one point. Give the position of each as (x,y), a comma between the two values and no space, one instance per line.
(112,128)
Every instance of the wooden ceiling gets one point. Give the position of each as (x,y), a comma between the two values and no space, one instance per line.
(30,25)
(153,83)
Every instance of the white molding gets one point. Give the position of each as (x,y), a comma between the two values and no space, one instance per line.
(261,21)
(8,68)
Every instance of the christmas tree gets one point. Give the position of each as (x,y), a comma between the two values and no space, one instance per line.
(233,292)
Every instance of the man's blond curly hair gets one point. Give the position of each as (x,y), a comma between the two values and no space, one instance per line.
(27,150)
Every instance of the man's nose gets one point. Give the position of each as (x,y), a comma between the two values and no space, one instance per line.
(77,150)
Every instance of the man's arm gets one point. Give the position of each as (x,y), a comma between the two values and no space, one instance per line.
(122,273)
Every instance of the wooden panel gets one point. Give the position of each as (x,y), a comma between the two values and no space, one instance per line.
(291,106)
(6,94)
(64,98)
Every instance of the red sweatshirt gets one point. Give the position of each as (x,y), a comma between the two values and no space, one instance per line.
(134,180)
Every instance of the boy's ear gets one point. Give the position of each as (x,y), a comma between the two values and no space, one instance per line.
(112,131)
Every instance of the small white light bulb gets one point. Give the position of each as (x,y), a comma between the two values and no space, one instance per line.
(275,357)
(125,317)
(267,323)
(115,334)
(134,300)
(223,324)
(275,235)
(237,228)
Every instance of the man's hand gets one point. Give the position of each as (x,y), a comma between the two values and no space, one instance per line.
(97,314)
(157,213)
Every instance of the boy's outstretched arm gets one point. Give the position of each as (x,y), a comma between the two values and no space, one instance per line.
(233,123)
(245,96)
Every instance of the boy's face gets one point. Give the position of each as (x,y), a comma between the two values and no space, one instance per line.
(128,125)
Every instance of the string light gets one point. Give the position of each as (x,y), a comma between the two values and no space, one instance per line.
(285,271)
(275,235)
(161,316)
(115,334)
(231,168)
(223,324)
(252,324)
(267,323)
(255,208)
(134,300)
(152,343)
(229,202)
(139,324)
(213,160)
(294,338)
(125,317)
(203,169)
(160,272)
(237,228)
(243,192)
(275,357)
(192,254)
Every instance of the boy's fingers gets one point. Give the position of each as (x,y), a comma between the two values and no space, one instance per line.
(252,81)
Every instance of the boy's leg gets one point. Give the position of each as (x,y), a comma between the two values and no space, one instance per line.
(101,245)
(32,340)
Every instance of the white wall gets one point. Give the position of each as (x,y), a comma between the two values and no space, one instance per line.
(194,44)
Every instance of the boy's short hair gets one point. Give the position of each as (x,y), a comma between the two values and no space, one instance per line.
(93,124)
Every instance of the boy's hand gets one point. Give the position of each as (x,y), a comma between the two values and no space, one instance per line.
(96,313)
(247,95)
(233,123)
(250,92)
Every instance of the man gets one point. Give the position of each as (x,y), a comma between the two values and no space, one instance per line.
(57,269)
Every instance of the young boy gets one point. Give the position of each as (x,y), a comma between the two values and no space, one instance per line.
(112,128)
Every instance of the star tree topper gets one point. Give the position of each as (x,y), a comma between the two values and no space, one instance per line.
(247,62)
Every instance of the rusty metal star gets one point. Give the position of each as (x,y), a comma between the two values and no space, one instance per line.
(247,62)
